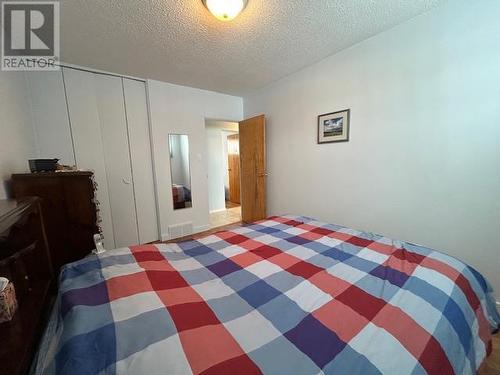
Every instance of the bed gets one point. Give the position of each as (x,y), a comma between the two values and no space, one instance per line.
(287,295)
(181,196)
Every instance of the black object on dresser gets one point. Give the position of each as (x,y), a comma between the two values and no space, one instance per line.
(25,261)
(69,209)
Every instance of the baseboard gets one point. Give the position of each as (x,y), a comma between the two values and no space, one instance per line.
(198,229)
(219,210)
(201,228)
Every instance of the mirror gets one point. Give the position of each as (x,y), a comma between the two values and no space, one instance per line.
(179,170)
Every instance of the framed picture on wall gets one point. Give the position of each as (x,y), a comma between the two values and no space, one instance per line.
(334,127)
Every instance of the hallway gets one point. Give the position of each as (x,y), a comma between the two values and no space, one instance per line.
(231,215)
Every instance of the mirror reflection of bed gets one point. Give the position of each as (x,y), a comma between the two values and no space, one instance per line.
(180,171)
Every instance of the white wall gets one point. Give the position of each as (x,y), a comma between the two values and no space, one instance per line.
(50,116)
(216,199)
(17,143)
(423,161)
(183,110)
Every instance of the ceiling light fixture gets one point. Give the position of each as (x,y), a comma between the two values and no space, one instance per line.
(225,10)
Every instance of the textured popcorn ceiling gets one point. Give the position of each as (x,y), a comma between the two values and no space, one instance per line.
(178,41)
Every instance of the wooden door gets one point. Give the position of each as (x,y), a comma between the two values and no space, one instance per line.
(233,162)
(253,168)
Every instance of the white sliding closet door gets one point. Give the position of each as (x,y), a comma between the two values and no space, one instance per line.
(100,122)
(88,145)
(115,141)
(51,121)
(140,153)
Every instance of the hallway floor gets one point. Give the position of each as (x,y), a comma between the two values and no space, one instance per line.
(228,216)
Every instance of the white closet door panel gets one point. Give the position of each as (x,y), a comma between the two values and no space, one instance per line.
(85,126)
(142,165)
(111,108)
(50,115)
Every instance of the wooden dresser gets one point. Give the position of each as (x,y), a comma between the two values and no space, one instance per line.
(25,261)
(69,209)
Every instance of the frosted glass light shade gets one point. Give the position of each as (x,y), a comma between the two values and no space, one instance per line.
(225,10)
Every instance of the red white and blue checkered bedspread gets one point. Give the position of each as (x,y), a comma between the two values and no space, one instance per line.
(287,295)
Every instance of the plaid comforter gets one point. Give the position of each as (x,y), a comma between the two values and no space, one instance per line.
(180,193)
(287,295)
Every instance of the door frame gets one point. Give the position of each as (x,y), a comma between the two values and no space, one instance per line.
(234,137)
(206,120)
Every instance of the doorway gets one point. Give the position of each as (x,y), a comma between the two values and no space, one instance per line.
(222,139)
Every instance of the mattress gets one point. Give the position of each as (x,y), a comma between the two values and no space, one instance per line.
(287,295)
(180,194)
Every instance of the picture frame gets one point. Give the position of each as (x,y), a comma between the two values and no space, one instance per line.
(334,126)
